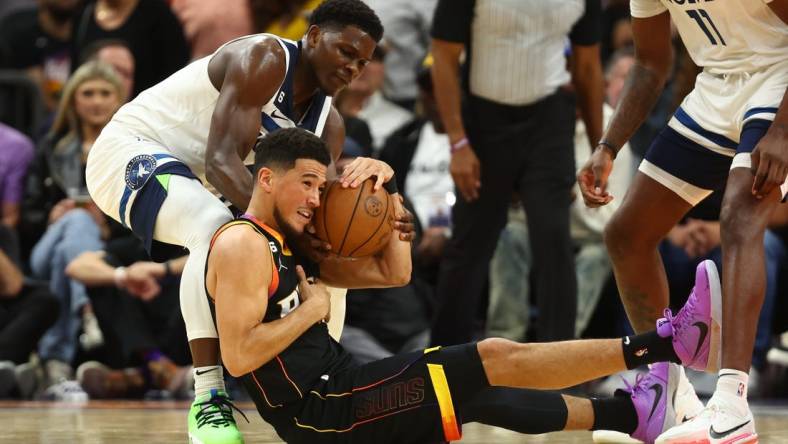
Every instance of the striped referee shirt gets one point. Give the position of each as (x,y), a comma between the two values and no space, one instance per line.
(515,49)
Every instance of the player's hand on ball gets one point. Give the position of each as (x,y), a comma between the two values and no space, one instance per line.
(311,246)
(362,168)
(403,220)
(592,178)
(315,293)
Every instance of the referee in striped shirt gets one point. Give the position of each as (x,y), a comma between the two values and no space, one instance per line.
(500,73)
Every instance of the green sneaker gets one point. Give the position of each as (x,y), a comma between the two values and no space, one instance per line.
(211,420)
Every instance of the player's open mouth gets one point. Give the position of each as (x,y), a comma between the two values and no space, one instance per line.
(305,214)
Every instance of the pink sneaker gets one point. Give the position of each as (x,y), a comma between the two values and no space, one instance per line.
(697,328)
(653,396)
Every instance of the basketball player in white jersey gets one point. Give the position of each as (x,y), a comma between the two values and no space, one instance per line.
(201,123)
(732,128)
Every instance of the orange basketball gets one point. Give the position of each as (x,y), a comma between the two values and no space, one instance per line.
(356,222)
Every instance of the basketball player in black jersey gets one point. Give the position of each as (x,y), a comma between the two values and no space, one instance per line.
(271,322)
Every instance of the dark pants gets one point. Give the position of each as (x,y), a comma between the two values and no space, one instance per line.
(132,327)
(23,320)
(528,150)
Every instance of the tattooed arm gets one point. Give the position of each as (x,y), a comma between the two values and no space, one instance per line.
(653,61)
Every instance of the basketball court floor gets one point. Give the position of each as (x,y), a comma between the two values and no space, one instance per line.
(165,422)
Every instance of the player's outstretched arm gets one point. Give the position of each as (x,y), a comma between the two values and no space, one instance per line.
(249,78)
(390,268)
(653,61)
(238,276)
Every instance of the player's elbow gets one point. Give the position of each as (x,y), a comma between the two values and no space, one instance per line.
(234,368)
(235,363)
(400,277)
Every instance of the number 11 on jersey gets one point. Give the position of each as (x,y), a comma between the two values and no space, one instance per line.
(698,15)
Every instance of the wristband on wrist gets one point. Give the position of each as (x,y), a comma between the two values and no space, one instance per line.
(120,277)
(609,147)
(391,185)
(460,144)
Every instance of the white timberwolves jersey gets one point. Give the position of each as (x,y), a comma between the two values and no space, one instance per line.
(176,113)
(724,36)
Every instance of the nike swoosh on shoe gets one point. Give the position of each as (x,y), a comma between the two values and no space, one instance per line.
(719,435)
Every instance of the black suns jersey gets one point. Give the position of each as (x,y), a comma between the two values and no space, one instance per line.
(286,379)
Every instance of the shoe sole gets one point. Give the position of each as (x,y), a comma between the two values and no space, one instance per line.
(715,341)
(613,437)
(744,439)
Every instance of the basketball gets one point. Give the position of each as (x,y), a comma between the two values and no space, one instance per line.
(356,222)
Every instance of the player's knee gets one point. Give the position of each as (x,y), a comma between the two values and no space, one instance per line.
(496,348)
(737,225)
(213,217)
(619,237)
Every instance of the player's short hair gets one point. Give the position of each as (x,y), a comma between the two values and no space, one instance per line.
(281,149)
(343,13)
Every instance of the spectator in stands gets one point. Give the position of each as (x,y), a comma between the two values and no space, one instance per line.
(364,99)
(10,6)
(514,133)
(75,224)
(149,27)
(383,322)
(37,40)
(136,303)
(407,24)
(16,152)
(208,24)
(290,18)
(26,311)
(419,154)
(116,53)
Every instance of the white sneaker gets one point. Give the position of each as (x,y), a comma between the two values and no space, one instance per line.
(67,391)
(91,336)
(687,403)
(716,424)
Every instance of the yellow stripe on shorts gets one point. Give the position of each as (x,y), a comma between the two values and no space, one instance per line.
(451,429)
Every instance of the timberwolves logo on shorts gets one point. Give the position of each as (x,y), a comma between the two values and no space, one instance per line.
(139,170)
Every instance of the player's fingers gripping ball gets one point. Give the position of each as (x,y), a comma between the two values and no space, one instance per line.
(356,222)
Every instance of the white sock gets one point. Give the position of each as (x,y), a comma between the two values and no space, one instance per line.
(207,378)
(732,390)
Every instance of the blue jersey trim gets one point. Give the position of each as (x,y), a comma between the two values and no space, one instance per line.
(761,110)
(690,123)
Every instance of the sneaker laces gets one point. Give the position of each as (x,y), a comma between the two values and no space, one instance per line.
(638,386)
(680,320)
(217,412)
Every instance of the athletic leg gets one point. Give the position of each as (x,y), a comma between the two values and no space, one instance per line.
(632,236)
(189,216)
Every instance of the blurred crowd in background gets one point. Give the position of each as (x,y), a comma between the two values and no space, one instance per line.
(79,295)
